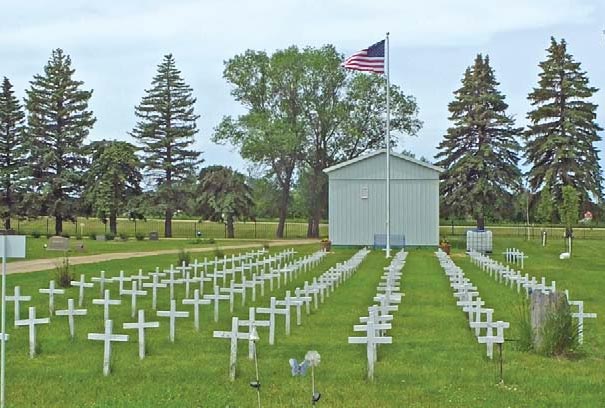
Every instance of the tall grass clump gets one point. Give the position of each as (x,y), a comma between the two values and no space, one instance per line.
(63,273)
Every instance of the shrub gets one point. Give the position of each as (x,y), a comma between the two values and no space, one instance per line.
(63,275)
(218,252)
(524,330)
(123,236)
(36,234)
(110,236)
(93,236)
(65,234)
(210,241)
(559,333)
(266,245)
(139,236)
(184,256)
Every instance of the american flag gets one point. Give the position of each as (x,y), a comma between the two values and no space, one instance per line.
(370,59)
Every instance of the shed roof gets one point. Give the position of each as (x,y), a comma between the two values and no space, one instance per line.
(380,151)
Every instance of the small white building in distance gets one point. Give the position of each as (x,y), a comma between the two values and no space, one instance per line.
(357,201)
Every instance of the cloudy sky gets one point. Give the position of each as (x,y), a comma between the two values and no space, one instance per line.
(116,45)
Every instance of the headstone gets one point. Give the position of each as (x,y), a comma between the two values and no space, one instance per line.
(51,291)
(106,302)
(153,236)
(81,284)
(17,298)
(172,314)
(542,307)
(32,322)
(70,312)
(107,337)
(58,243)
(141,325)
(100,237)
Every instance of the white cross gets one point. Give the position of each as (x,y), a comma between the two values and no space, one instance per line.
(580,315)
(101,279)
(173,314)
(171,281)
(272,310)
(232,290)
(252,324)
(32,322)
(490,339)
(107,337)
(154,290)
(51,291)
(234,336)
(216,297)
(371,340)
(157,273)
(81,284)
(140,278)
(133,296)
(17,298)
(196,302)
(70,312)
(306,300)
(106,302)
(188,280)
(121,279)
(183,268)
(141,325)
(289,302)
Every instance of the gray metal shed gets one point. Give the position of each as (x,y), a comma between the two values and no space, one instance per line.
(357,200)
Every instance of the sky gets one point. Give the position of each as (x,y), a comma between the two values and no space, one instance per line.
(115,47)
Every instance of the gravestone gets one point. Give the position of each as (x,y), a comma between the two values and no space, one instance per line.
(101,237)
(154,236)
(542,307)
(57,243)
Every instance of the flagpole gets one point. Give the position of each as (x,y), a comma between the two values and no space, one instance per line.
(388,145)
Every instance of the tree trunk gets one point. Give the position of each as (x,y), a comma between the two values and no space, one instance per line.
(283,211)
(230,229)
(58,224)
(113,223)
(7,222)
(319,194)
(168,223)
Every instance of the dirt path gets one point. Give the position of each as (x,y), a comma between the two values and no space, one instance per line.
(44,264)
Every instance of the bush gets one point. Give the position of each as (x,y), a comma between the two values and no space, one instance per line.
(65,234)
(184,256)
(93,236)
(110,236)
(266,245)
(139,236)
(123,236)
(36,234)
(559,334)
(524,330)
(63,275)
(210,241)
(218,252)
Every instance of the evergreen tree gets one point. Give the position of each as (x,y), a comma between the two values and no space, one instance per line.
(560,141)
(166,130)
(113,179)
(12,154)
(479,152)
(57,124)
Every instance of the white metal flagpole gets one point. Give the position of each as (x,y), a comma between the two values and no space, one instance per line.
(388,145)
(3,325)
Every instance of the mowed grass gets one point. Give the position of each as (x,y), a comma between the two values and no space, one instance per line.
(434,361)
(35,246)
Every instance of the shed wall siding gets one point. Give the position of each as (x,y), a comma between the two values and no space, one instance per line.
(414,210)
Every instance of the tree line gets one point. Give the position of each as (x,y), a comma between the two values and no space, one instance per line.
(483,148)
(304,113)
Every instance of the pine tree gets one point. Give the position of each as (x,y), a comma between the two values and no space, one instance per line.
(165,130)
(560,141)
(12,155)
(58,121)
(479,152)
(545,210)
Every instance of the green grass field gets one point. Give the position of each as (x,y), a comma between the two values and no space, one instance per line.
(35,246)
(434,361)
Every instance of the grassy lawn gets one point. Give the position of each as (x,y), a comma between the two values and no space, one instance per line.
(35,246)
(434,361)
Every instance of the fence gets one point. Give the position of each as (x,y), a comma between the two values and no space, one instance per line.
(522,231)
(180,228)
